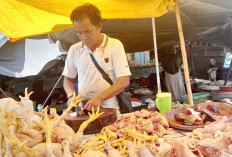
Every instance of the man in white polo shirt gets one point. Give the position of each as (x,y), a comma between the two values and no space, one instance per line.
(109,54)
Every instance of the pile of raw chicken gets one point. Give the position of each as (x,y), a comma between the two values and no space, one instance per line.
(134,133)
(144,121)
(25,133)
(214,140)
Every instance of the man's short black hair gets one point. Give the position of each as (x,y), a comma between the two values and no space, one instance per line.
(87,10)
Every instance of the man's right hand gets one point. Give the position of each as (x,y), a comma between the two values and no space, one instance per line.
(68,87)
(209,71)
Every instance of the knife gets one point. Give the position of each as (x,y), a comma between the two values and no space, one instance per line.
(78,110)
(210,115)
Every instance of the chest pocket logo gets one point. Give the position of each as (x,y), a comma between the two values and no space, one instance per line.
(106,60)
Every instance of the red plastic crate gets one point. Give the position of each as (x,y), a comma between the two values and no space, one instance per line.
(225,88)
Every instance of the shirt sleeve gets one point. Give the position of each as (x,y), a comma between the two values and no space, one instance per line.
(120,64)
(70,69)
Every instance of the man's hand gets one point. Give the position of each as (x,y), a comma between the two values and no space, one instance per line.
(114,90)
(69,101)
(68,87)
(95,102)
(209,71)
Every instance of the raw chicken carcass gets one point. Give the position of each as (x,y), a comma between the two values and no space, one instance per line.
(213,152)
(217,147)
(142,114)
(8,124)
(111,151)
(218,125)
(22,132)
(23,110)
(152,123)
(145,152)
(27,103)
(55,149)
(9,150)
(220,143)
(30,142)
(62,133)
(67,152)
(49,149)
(20,111)
(199,133)
(132,152)
(181,149)
(163,147)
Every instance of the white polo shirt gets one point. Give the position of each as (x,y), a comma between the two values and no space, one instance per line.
(110,55)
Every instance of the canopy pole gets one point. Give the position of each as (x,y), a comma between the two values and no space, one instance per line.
(156,56)
(184,57)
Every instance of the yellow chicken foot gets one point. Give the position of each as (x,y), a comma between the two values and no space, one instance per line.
(6,120)
(74,102)
(78,136)
(46,126)
(9,150)
(27,95)
(84,125)
(67,152)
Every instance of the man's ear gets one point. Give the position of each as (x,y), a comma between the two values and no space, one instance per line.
(99,26)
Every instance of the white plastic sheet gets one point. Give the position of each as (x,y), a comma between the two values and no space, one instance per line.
(27,57)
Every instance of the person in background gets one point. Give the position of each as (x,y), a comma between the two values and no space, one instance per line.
(7,91)
(213,70)
(173,77)
(40,94)
(58,100)
(226,67)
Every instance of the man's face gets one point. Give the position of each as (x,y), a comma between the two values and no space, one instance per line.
(212,61)
(87,32)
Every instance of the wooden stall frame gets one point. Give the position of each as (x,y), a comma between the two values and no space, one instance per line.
(184,56)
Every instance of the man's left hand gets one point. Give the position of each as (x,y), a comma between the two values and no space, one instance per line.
(95,102)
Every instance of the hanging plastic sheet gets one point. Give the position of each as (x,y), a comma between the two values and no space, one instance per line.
(27,57)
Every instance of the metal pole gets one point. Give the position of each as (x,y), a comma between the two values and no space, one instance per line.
(156,55)
(52,90)
(184,56)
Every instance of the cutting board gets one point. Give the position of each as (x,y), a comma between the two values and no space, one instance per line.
(109,117)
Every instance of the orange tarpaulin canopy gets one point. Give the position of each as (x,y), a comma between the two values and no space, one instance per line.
(23,18)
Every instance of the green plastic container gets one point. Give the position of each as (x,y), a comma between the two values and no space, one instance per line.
(197,98)
(164,102)
(219,97)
